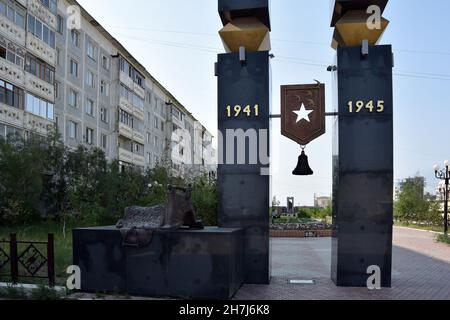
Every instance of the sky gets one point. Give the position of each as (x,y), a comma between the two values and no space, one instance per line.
(177,41)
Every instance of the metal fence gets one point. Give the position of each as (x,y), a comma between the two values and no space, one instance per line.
(25,259)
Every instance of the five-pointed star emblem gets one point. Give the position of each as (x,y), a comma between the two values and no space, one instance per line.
(303,114)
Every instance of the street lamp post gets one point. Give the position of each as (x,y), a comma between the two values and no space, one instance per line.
(444,175)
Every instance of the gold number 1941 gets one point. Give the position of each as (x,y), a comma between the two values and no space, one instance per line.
(369,106)
(237,110)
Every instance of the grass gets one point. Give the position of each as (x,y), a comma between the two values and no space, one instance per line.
(444,239)
(296,220)
(41,293)
(63,246)
(434,228)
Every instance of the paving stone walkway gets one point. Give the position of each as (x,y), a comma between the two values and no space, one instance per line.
(421,270)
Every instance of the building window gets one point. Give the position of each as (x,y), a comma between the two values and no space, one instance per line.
(60,25)
(104,88)
(90,107)
(73,128)
(104,141)
(39,107)
(11,56)
(149,137)
(104,115)
(11,95)
(90,50)
(176,113)
(58,56)
(105,62)
(126,118)
(57,89)
(155,142)
(156,123)
(90,79)
(39,68)
(73,98)
(75,38)
(162,125)
(89,137)
(131,72)
(41,31)
(74,68)
(14,12)
(52,5)
(149,158)
(131,97)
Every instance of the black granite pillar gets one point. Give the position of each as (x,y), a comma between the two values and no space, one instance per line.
(363,166)
(244,186)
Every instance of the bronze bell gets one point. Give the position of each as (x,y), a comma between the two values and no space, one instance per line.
(303,168)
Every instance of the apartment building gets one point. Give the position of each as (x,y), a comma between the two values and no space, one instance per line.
(27,66)
(83,81)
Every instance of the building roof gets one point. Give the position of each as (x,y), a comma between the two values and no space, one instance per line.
(126,54)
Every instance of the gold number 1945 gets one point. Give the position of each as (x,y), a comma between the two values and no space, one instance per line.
(369,106)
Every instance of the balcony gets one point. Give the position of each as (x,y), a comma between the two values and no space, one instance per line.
(138,113)
(126,80)
(12,73)
(125,105)
(131,158)
(128,107)
(125,156)
(41,49)
(37,124)
(39,87)
(139,90)
(36,8)
(24,120)
(138,137)
(131,134)
(138,160)
(12,116)
(12,31)
(125,131)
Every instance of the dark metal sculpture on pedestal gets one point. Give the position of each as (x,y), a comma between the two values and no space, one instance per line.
(243,111)
(363,146)
(139,224)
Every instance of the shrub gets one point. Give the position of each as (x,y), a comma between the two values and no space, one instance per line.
(205,200)
(40,178)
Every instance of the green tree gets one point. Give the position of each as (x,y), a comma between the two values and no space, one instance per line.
(21,184)
(411,205)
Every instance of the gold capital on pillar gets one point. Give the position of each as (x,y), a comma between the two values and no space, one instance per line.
(247,32)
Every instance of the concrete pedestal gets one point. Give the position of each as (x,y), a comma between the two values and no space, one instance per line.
(183,264)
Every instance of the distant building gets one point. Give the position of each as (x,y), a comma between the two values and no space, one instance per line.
(321,202)
(440,195)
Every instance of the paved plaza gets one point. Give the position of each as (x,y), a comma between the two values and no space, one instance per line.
(421,270)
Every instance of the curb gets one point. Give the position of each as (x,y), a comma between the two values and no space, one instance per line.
(421,230)
(301,233)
